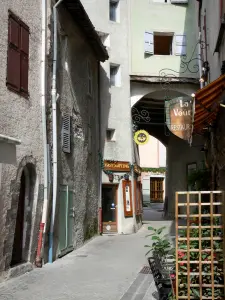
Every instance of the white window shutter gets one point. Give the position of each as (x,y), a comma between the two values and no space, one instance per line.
(149,42)
(180,44)
(179,1)
(66,133)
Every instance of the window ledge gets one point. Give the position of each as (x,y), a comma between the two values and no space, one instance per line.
(220,36)
(10,140)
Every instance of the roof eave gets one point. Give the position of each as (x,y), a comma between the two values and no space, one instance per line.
(80,17)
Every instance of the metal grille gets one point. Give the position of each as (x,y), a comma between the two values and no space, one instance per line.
(145,270)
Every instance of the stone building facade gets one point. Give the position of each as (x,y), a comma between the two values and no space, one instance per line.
(21,175)
(21,131)
(210,17)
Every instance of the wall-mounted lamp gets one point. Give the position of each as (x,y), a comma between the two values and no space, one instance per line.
(205,72)
(126,177)
(111,177)
(203,149)
(222,102)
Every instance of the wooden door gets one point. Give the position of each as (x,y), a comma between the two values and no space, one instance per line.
(156,189)
(66,220)
(109,208)
(17,254)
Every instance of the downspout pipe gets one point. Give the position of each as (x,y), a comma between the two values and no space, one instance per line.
(54,130)
(200,59)
(38,260)
(100,149)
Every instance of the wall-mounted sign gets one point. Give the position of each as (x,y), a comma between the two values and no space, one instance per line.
(119,166)
(137,169)
(141,137)
(179,117)
(127,198)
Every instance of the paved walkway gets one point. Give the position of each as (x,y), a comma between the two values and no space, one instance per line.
(107,268)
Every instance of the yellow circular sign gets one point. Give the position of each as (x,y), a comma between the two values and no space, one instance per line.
(141,137)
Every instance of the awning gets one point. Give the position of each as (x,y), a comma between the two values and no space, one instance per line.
(207,103)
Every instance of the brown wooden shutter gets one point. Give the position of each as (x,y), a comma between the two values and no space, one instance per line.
(13,62)
(24,40)
(24,47)
(14,31)
(24,73)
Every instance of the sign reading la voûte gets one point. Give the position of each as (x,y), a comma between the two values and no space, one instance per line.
(179,117)
(119,166)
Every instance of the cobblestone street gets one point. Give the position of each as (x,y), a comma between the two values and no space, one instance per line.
(107,268)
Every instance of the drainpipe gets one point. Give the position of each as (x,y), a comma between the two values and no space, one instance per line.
(100,149)
(38,260)
(200,59)
(54,130)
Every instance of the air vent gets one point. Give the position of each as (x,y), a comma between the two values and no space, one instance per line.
(66,133)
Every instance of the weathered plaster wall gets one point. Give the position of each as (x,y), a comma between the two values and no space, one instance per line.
(152,154)
(176,18)
(115,97)
(179,154)
(20,118)
(79,169)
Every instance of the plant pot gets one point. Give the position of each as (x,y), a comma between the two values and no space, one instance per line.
(174,285)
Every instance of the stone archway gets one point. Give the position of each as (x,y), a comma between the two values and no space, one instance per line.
(23,227)
(21,217)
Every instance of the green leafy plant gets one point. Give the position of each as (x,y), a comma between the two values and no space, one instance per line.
(161,245)
(199,179)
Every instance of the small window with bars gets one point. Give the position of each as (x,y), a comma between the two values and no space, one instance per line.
(156,189)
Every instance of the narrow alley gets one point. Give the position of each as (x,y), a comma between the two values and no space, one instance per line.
(106,268)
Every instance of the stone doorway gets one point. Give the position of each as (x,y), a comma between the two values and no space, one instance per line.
(23,227)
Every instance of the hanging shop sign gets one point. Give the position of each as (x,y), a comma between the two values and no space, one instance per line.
(118,166)
(137,169)
(141,137)
(179,117)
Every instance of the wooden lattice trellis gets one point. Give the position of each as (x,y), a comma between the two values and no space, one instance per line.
(200,245)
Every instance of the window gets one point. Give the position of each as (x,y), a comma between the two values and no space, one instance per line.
(89,78)
(110,135)
(156,189)
(114,75)
(18,56)
(114,10)
(164,43)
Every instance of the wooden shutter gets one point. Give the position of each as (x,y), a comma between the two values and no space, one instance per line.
(136,196)
(127,198)
(66,133)
(180,41)
(24,47)
(18,55)
(140,198)
(149,42)
(13,61)
(179,1)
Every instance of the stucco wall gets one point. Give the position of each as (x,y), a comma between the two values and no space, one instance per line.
(212,11)
(152,154)
(116,98)
(20,118)
(179,154)
(178,18)
(80,168)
